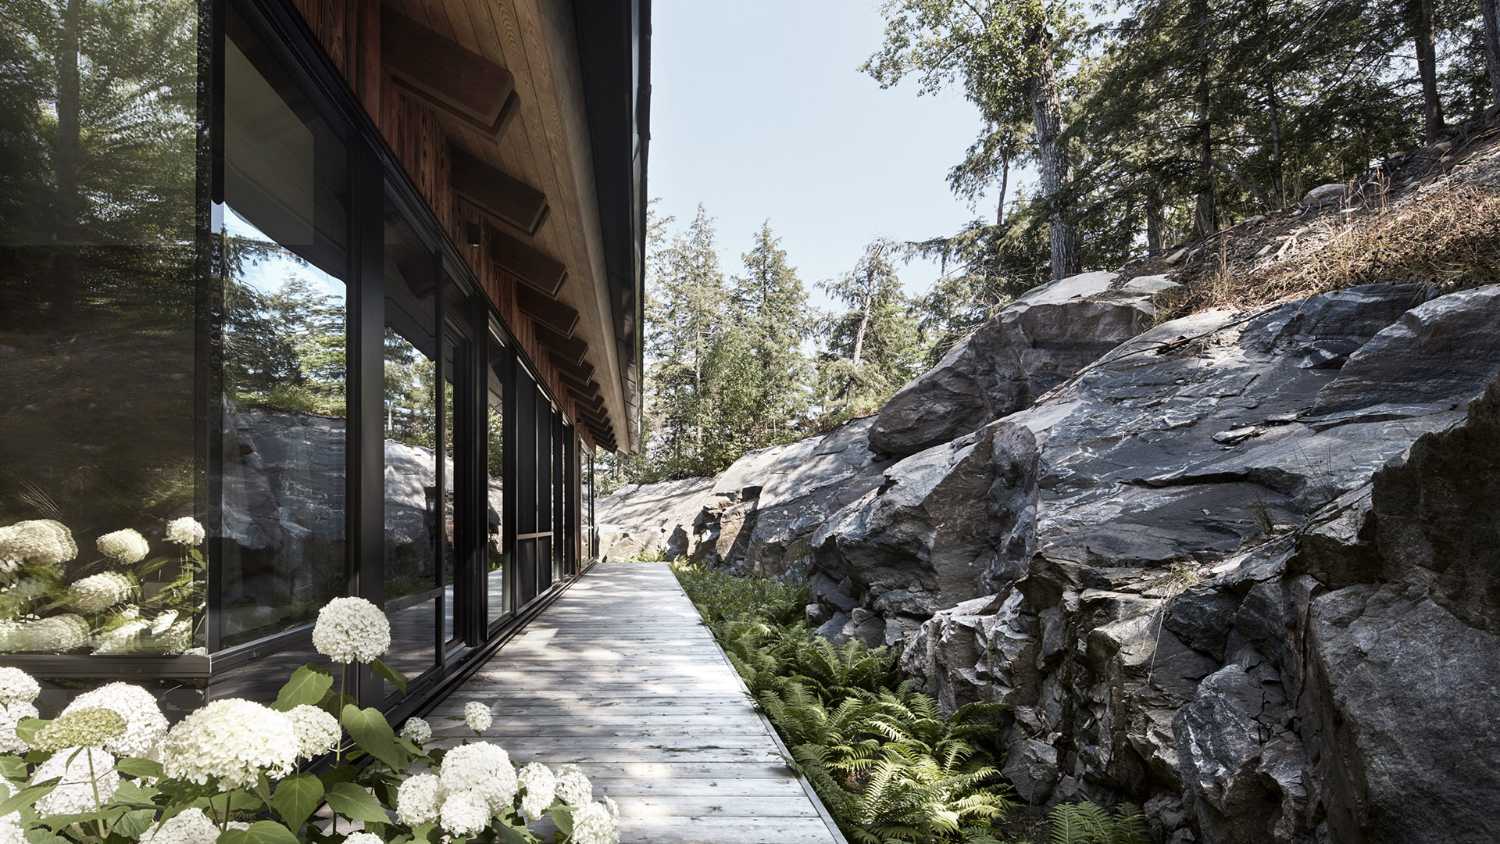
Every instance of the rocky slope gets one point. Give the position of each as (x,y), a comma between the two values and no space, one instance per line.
(1240,567)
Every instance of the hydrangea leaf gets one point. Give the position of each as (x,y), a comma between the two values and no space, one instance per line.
(307,686)
(13,768)
(133,824)
(260,832)
(354,803)
(296,798)
(140,768)
(562,815)
(508,834)
(130,793)
(396,677)
(374,735)
(27,797)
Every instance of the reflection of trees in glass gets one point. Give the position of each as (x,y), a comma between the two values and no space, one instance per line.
(410,379)
(98,142)
(284,349)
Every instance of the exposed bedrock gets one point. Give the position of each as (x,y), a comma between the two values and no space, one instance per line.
(1266,590)
(1029,347)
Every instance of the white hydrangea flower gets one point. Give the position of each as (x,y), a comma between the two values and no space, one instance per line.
(317,731)
(482,768)
(416,730)
(99,592)
(190,826)
(351,630)
(573,788)
(539,789)
(186,531)
(163,622)
(145,726)
(124,546)
(233,740)
(419,799)
(38,541)
(477,716)
(10,830)
(593,824)
(16,686)
(612,806)
(363,838)
(57,634)
(75,791)
(11,715)
(464,813)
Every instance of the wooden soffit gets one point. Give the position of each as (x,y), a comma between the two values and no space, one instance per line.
(533,267)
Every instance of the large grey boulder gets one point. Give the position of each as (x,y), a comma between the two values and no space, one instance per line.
(1031,346)
(651,519)
(942,527)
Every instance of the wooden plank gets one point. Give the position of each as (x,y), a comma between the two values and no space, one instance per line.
(460,82)
(496,192)
(528,264)
(653,713)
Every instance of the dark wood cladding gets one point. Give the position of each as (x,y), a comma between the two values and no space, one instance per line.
(349,32)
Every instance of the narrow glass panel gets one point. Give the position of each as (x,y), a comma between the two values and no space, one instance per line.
(285,226)
(98,220)
(411,505)
(453,509)
(497,598)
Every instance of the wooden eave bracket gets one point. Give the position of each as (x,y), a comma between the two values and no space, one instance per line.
(495,192)
(533,267)
(448,77)
(556,315)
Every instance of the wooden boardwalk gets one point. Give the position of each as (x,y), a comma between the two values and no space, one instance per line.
(621,677)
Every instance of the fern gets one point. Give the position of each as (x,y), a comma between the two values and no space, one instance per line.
(1088,823)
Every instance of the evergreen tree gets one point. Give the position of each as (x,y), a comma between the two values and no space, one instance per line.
(770,305)
(872,347)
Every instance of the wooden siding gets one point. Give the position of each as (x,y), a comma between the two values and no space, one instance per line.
(536,148)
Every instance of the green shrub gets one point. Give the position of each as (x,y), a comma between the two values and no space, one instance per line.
(1087,823)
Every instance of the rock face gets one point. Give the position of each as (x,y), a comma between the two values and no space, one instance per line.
(757,516)
(1264,597)
(942,526)
(1031,346)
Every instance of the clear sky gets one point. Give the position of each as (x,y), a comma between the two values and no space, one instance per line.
(759,111)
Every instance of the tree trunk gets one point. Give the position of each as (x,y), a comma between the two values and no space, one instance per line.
(66,166)
(864,320)
(1052,158)
(1278,186)
(1153,225)
(1206,212)
(1491,11)
(1004,184)
(1419,18)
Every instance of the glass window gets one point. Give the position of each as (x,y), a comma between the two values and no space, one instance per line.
(498,595)
(412,579)
(454,471)
(544,475)
(98,284)
(284,221)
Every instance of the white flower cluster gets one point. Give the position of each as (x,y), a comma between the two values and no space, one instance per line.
(98,592)
(11,715)
(596,823)
(482,768)
(10,825)
(145,726)
(232,740)
(464,813)
(190,826)
(57,634)
(41,541)
(477,716)
(416,730)
(123,639)
(538,790)
(363,838)
(419,799)
(16,686)
(317,731)
(186,531)
(573,788)
(86,779)
(351,630)
(124,546)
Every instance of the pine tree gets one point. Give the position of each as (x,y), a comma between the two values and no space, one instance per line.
(770,302)
(871,348)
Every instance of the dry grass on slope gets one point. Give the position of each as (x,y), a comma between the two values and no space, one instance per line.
(1447,235)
